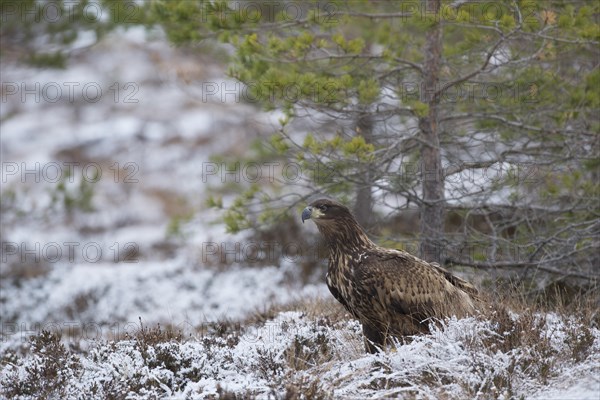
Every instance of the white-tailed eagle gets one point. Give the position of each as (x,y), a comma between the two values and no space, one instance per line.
(391,292)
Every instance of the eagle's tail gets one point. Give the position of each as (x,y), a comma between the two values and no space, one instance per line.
(458,282)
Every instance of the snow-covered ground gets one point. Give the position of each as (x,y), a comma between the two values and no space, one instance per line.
(138,248)
(295,355)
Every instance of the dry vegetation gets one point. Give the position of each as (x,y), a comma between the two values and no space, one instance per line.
(312,350)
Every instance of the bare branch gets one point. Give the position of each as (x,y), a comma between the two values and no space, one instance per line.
(502,264)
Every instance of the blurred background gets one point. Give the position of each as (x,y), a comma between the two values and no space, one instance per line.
(156,154)
(110,152)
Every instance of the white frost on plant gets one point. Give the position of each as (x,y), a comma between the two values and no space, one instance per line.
(447,363)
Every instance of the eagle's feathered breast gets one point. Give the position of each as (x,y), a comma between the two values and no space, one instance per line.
(391,292)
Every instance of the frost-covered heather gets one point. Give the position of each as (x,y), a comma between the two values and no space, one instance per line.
(301,357)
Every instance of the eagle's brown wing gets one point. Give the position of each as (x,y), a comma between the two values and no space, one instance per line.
(338,296)
(401,288)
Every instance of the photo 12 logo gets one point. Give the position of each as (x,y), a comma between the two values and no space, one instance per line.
(52,92)
(490,92)
(324,12)
(74,330)
(69,252)
(254,172)
(69,11)
(55,172)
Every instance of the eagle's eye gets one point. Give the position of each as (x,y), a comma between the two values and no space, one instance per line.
(323,208)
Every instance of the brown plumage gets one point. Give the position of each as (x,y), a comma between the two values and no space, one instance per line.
(391,292)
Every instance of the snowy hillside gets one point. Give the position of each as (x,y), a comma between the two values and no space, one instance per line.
(106,168)
(128,249)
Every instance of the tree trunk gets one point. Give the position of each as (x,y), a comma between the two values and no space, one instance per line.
(433,208)
(363,208)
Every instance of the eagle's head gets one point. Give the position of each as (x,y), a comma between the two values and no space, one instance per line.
(326,211)
(337,224)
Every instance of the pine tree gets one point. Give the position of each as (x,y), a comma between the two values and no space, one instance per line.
(481,109)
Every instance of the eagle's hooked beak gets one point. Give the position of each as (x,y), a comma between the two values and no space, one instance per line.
(306,213)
